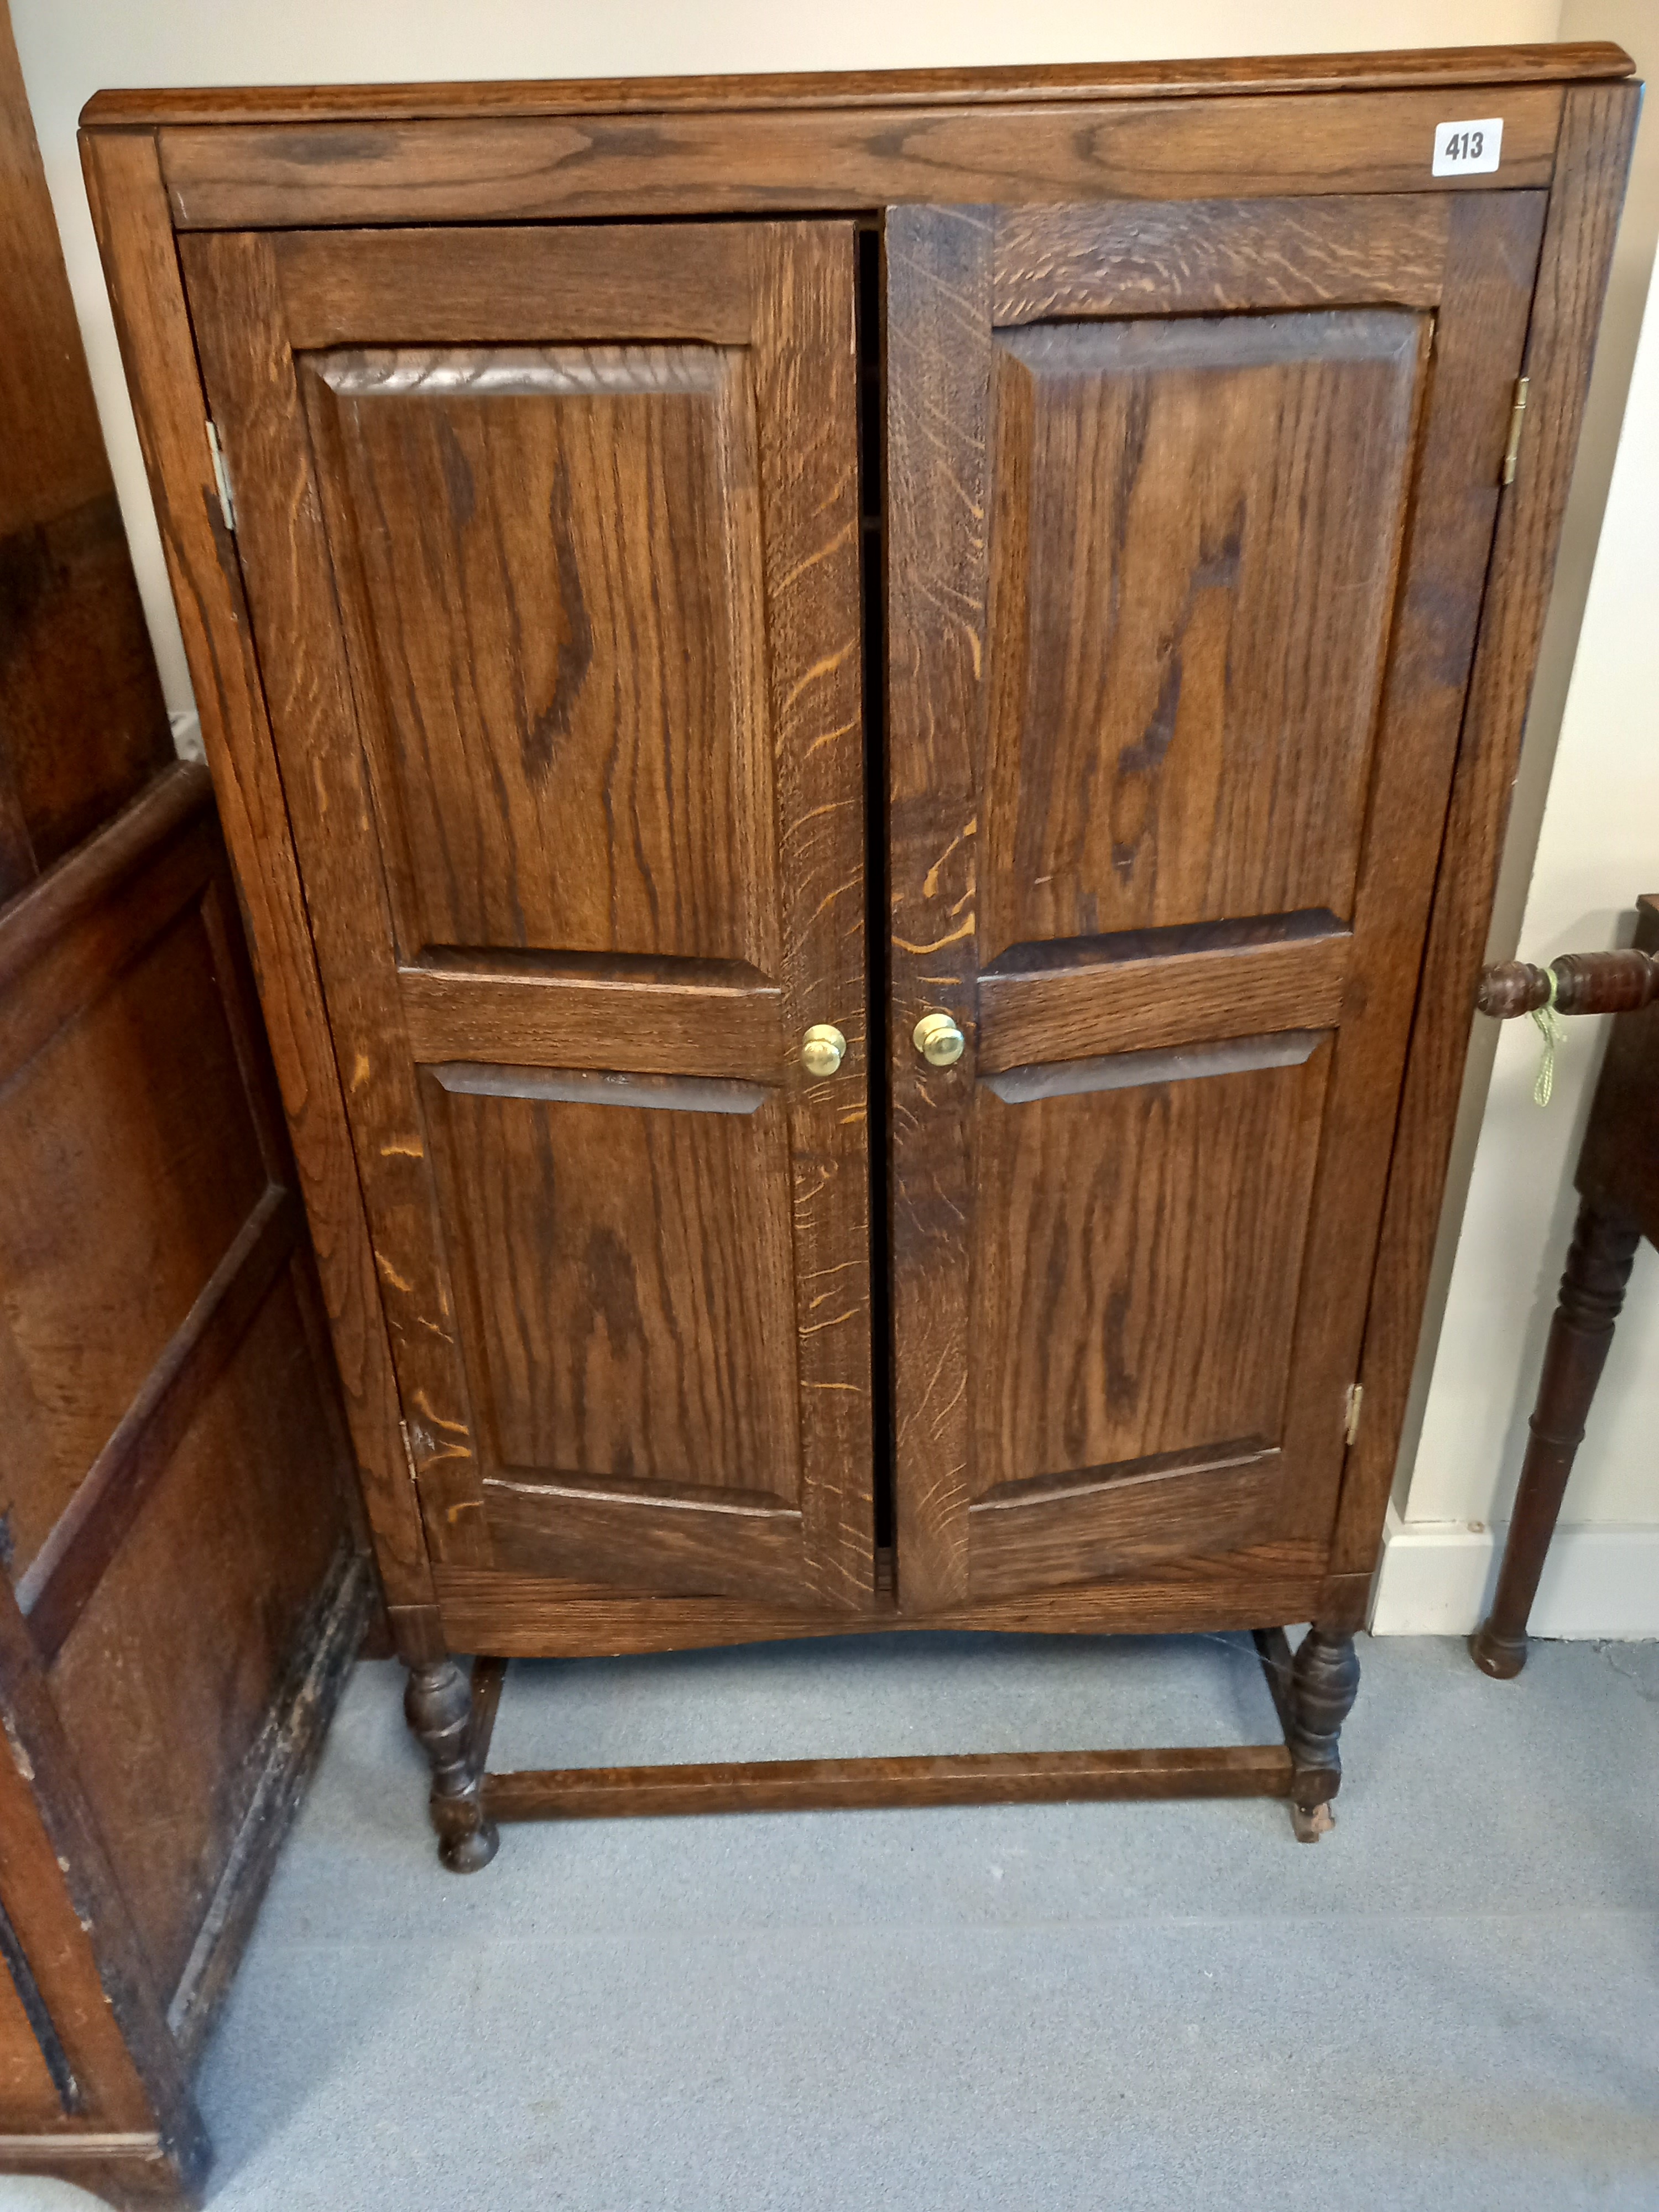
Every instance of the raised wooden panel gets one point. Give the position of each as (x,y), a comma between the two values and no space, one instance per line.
(1197,527)
(1134,1264)
(564,651)
(1169,785)
(114,1171)
(621,1248)
(552,567)
(164,1683)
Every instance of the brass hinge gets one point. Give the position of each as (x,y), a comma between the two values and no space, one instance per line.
(222,476)
(1355,1399)
(1517,416)
(408,1454)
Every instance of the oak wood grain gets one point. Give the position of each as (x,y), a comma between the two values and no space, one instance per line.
(508,169)
(1423,65)
(621,1015)
(543,1616)
(1103,1004)
(400,287)
(938,314)
(256,399)
(804,1785)
(549,559)
(594,668)
(130,214)
(1231,254)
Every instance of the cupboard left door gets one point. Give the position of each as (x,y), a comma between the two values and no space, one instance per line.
(549,541)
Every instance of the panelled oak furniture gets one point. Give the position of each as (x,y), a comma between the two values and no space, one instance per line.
(1618,1180)
(866,722)
(183,1586)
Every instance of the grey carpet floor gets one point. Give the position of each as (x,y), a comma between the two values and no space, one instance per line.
(1452,2001)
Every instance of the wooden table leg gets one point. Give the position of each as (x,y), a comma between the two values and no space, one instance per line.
(1592,1291)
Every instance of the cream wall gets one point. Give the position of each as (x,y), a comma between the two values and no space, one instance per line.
(1600,833)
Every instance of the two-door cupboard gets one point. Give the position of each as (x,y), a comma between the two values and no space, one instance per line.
(865,723)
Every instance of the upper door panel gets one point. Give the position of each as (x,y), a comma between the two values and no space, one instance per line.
(1191,510)
(1181,720)
(555,588)
(551,541)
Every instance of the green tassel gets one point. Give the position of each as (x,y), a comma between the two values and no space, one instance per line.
(1550,1029)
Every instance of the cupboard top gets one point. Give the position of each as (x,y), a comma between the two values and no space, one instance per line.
(1421,68)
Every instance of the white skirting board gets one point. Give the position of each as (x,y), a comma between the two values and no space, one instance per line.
(1602,1578)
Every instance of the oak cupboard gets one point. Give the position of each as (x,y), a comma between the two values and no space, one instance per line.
(865,722)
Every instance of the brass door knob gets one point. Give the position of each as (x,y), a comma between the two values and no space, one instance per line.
(937,1040)
(823,1049)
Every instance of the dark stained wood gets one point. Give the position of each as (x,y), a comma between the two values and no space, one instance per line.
(1597,124)
(1206,818)
(1051,82)
(716,1018)
(809,1785)
(1619,983)
(1167,988)
(229,176)
(90,1530)
(937,310)
(1230,255)
(1593,1286)
(525,1616)
(82,723)
(277,1770)
(1620,1180)
(1619,1161)
(376,287)
(601,778)
(438,1705)
(1324,1682)
(1169,1506)
(1155,349)
(129,213)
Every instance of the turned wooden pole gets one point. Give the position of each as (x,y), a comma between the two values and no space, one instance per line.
(1585,983)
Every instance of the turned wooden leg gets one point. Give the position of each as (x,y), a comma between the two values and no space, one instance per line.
(1324,1681)
(1592,1291)
(438,1706)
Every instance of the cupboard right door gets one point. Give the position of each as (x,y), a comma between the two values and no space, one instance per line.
(1190,509)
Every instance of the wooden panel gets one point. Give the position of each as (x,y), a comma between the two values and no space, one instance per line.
(377,286)
(1199,791)
(231,177)
(171,1675)
(702,1018)
(733,1543)
(158,351)
(1118,1307)
(37,2083)
(1231,254)
(114,1171)
(1169,1506)
(599,646)
(551,564)
(625,1286)
(82,723)
(531,1615)
(1598,128)
(938,326)
(1143,989)
(1212,487)
(805,1785)
(1050,82)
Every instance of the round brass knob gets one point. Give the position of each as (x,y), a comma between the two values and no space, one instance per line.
(937,1040)
(823,1049)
